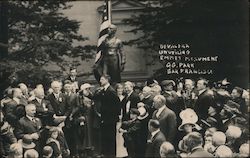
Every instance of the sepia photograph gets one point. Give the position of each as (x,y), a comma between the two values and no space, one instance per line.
(124,79)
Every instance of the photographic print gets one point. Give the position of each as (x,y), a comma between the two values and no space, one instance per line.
(124,78)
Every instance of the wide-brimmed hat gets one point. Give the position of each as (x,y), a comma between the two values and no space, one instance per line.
(167,82)
(143,113)
(188,116)
(26,142)
(85,86)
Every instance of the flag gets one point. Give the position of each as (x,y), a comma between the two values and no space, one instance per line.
(106,22)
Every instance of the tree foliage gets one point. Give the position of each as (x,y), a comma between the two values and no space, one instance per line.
(210,27)
(40,33)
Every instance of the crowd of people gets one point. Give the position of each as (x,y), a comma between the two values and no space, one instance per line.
(152,119)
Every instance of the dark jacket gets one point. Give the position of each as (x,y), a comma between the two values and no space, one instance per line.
(46,115)
(110,105)
(204,101)
(168,126)
(133,99)
(149,105)
(26,126)
(13,112)
(59,106)
(153,145)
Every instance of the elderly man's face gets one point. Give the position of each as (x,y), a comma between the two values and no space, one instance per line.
(39,94)
(56,88)
(128,88)
(157,103)
(31,111)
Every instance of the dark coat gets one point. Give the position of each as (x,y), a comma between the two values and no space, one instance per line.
(133,99)
(153,146)
(26,126)
(168,126)
(171,98)
(110,105)
(44,115)
(204,101)
(131,137)
(149,105)
(7,138)
(14,111)
(200,152)
(59,106)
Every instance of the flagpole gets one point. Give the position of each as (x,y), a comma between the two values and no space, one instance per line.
(109,11)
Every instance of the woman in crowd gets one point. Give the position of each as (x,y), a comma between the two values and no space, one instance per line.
(121,151)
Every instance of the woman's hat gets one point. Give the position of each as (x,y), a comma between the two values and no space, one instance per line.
(26,142)
(85,86)
(188,116)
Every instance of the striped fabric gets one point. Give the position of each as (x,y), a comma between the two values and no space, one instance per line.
(106,21)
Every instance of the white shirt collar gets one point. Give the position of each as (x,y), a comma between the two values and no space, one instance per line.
(106,86)
(154,133)
(17,100)
(147,96)
(129,94)
(39,100)
(30,118)
(160,111)
(201,91)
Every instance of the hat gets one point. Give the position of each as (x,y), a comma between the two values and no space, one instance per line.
(26,142)
(233,132)
(167,82)
(143,113)
(232,107)
(188,116)
(134,111)
(85,86)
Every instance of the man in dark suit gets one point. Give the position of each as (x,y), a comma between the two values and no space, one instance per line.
(205,99)
(109,111)
(73,79)
(148,100)
(156,139)
(14,109)
(194,142)
(166,117)
(30,125)
(169,93)
(44,110)
(71,109)
(58,99)
(130,101)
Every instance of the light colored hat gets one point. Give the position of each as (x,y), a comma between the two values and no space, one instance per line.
(167,82)
(85,86)
(26,142)
(233,132)
(188,116)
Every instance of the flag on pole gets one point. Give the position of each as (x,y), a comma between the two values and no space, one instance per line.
(106,22)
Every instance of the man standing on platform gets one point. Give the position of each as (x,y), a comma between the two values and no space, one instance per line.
(109,111)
